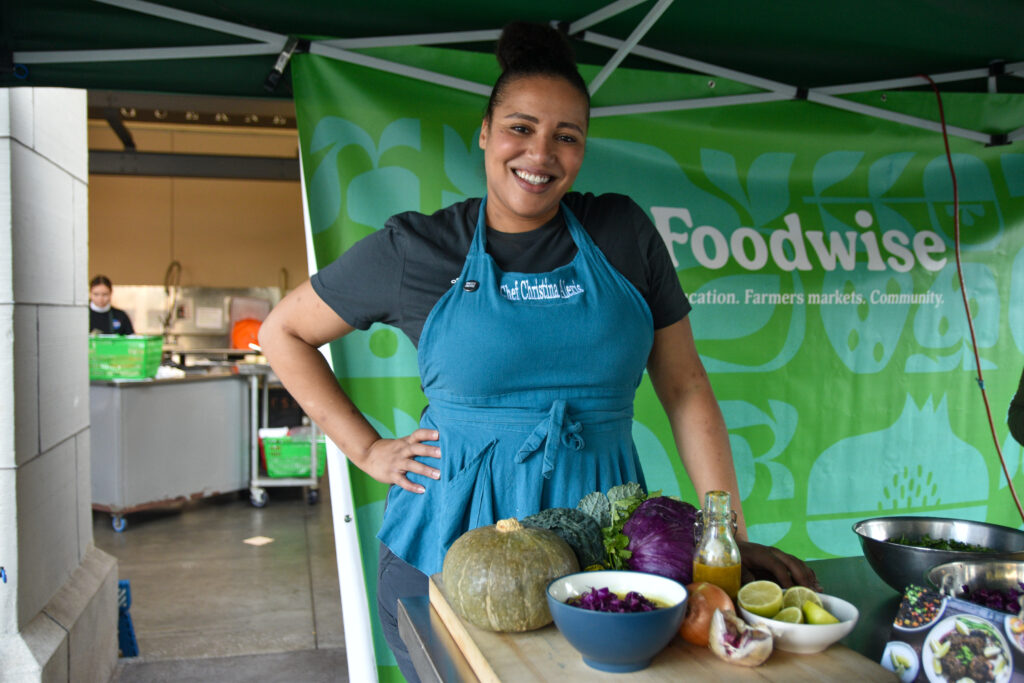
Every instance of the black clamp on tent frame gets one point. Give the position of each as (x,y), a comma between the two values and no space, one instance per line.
(997,67)
(801,93)
(7,66)
(291,46)
(563,28)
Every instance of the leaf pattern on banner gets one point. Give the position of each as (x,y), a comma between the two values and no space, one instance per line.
(405,424)
(968,212)
(721,322)
(917,465)
(1013,173)
(720,168)
(782,424)
(767,182)
(1016,313)
(768,186)
(884,173)
(768,534)
(334,134)
(833,168)
(373,197)
(790,346)
(974,188)
(889,218)
(1013,454)
(362,357)
(943,327)
(464,166)
(864,336)
(655,462)
(399,133)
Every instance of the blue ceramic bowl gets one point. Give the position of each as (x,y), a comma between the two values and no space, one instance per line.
(611,641)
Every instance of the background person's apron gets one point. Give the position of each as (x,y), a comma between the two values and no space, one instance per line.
(530,380)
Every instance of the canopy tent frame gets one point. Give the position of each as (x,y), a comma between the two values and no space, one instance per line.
(268,42)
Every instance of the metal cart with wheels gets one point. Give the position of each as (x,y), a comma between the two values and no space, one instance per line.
(278,448)
(258,484)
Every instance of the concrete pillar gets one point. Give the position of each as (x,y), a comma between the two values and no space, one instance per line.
(58,607)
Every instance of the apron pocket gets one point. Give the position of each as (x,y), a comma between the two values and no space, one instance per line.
(467,497)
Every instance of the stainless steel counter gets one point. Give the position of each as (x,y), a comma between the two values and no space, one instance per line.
(159,441)
(437,658)
(189,377)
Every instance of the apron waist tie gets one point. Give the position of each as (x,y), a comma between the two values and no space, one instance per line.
(554,431)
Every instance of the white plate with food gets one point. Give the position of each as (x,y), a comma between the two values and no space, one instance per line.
(960,642)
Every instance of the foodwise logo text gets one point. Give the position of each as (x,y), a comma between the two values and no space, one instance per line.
(792,247)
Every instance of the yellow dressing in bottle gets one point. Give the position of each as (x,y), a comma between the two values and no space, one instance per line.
(717,559)
(726,578)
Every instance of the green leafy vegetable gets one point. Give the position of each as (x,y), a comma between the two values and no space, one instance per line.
(597,506)
(611,511)
(625,492)
(927,541)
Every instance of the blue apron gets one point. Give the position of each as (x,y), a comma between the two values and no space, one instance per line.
(530,380)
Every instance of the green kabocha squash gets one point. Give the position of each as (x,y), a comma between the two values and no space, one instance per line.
(576,528)
(496,576)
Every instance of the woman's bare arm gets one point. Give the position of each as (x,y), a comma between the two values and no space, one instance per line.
(683,388)
(290,338)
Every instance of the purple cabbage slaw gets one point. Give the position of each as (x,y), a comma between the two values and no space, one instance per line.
(604,600)
(1002,600)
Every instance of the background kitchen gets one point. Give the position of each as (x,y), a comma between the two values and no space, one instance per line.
(195,214)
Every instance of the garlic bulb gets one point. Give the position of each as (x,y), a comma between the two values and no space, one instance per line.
(734,641)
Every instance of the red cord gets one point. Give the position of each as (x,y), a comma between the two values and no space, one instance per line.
(963,292)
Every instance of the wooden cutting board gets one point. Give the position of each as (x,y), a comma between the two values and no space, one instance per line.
(545,655)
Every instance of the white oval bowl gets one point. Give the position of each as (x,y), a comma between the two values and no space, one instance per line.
(810,638)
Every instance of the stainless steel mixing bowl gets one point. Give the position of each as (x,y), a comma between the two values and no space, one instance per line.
(899,565)
(994,575)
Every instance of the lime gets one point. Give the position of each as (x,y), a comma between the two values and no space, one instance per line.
(816,614)
(796,596)
(763,598)
(793,615)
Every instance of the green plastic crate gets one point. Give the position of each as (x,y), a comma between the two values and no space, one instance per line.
(288,456)
(112,356)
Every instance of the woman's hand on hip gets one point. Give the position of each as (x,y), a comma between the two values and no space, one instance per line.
(390,460)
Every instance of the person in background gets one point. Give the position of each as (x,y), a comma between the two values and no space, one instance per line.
(104,318)
(535,311)
(1015,417)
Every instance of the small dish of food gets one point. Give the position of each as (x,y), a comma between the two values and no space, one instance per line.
(919,609)
(902,660)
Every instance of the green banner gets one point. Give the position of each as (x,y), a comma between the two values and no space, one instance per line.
(816,245)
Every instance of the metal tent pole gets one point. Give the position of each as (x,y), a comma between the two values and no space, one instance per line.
(627,46)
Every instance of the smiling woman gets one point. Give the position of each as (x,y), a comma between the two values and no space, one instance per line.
(534,131)
(535,310)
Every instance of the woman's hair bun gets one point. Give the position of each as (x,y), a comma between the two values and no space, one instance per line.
(527,47)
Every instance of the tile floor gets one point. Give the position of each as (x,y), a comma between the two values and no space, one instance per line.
(208,607)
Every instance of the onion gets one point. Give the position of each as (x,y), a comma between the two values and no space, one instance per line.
(702,600)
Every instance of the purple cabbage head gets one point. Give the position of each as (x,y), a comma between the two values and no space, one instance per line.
(661,538)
